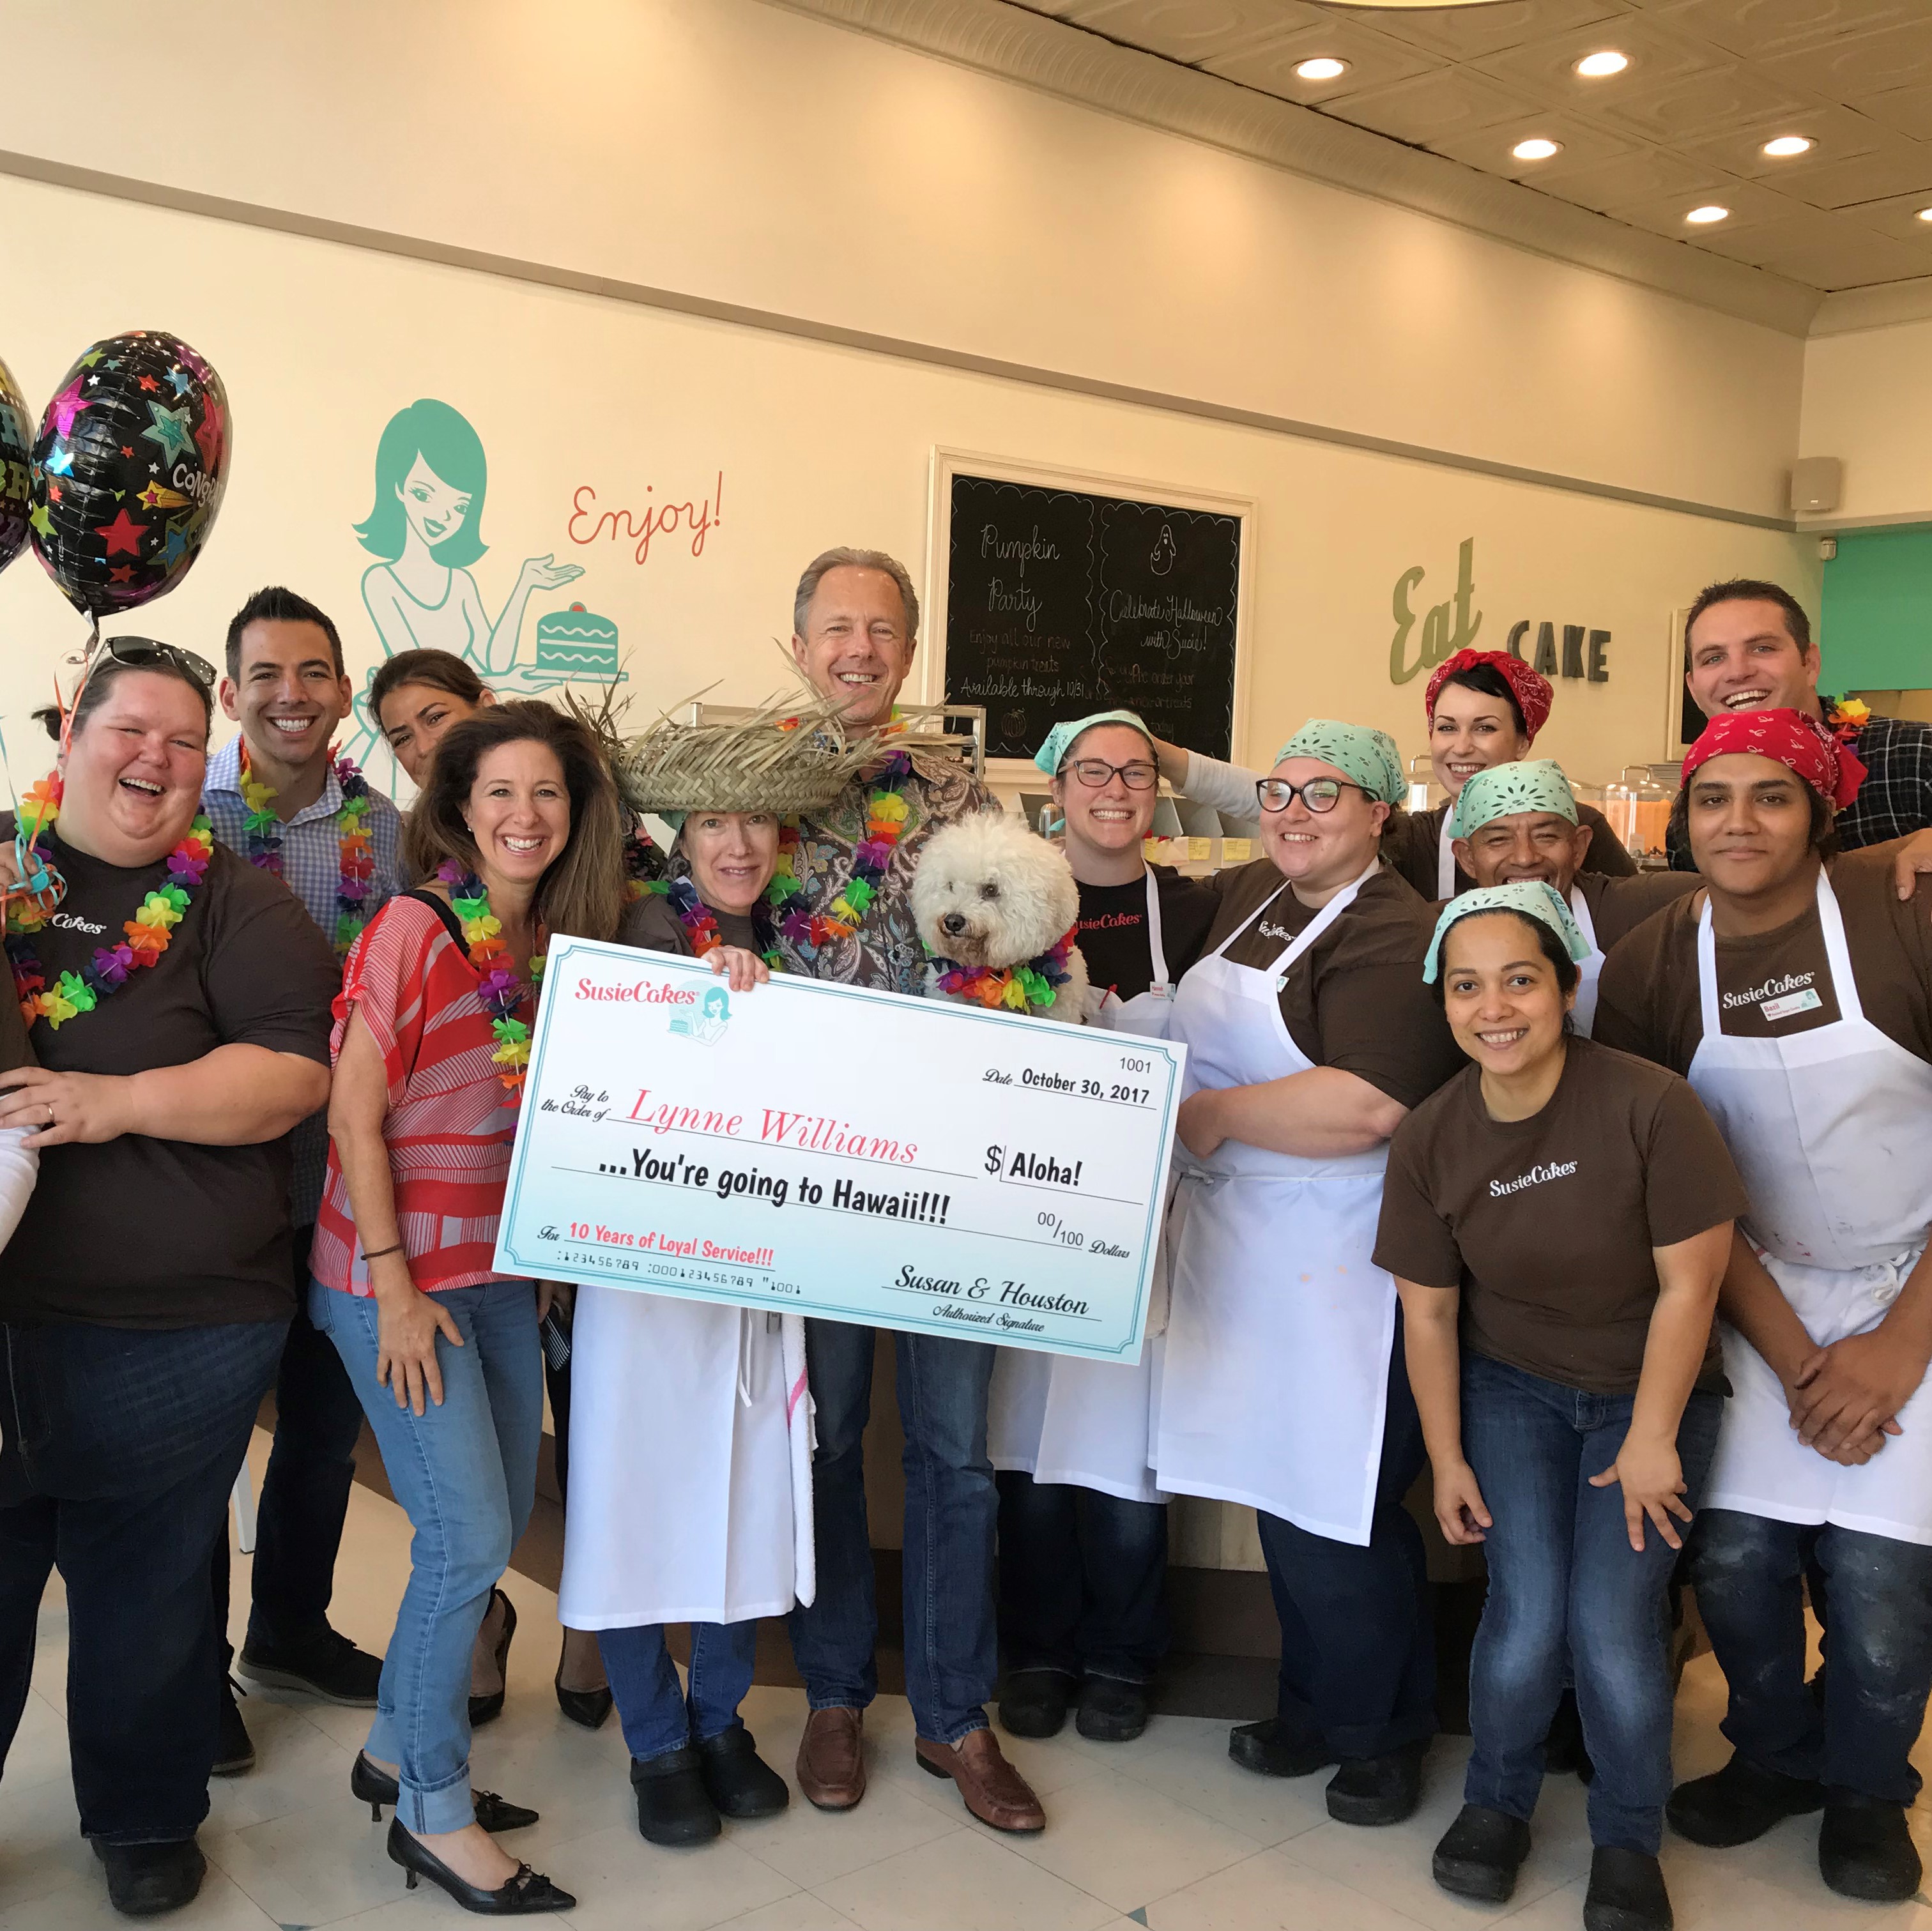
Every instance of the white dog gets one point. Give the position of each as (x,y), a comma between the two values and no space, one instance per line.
(993,902)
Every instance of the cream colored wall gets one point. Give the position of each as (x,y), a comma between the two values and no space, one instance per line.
(320,344)
(1868,402)
(739,152)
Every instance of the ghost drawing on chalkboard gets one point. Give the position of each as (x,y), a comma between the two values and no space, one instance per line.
(1165,552)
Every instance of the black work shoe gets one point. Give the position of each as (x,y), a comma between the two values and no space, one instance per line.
(235,1749)
(674,1806)
(326,1665)
(739,1781)
(1272,1748)
(1112,1711)
(1738,1803)
(1481,1854)
(1033,1703)
(1564,1753)
(144,1880)
(1865,1850)
(1626,1892)
(1377,1790)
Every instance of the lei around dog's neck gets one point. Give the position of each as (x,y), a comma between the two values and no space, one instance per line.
(1032,986)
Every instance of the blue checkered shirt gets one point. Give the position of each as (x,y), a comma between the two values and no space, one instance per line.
(311,868)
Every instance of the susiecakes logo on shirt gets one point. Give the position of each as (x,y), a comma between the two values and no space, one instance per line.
(1549,1169)
(1779,998)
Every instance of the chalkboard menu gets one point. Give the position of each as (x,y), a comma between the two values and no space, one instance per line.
(1060,602)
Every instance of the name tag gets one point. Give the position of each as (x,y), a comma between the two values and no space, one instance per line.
(1160,989)
(1792,1004)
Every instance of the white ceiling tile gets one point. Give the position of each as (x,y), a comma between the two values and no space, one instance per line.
(1374,59)
(1583,147)
(1852,66)
(1762,27)
(1642,175)
(1749,204)
(1190,30)
(1897,216)
(1895,166)
(1698,105)
(1434,106)
(1840,133)
(1906,110)
(1825,251)
(1548,66)
(1469,33)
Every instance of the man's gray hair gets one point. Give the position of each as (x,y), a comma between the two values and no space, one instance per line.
(846,558)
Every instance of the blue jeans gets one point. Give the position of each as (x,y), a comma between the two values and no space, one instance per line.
(466,1475)
(657,1716)
(951,1653)
(1083,1578)
(121,1447)
(1566,1591)
(1745,1569)
(1357,1630)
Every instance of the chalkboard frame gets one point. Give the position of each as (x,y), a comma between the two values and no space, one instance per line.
(947,462)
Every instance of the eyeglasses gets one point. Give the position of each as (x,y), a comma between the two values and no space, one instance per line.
(1321,795)
(143,653)
(1094,773)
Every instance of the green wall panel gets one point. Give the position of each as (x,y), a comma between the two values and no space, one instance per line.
(1877,625)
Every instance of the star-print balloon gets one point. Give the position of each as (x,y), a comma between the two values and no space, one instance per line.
(16,496)
(126,475)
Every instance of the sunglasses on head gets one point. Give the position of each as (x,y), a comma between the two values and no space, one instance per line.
(144,653)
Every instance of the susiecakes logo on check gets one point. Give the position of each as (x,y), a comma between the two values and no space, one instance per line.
(707,1026)
(1550,1170)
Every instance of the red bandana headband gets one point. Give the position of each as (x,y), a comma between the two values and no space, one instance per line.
(1530,688)
(1790,738)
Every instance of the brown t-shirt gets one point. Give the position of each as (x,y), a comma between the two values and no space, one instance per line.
(1411,843)
(1773,983)
(137,1232)
(1546,1224)
(652,925)
(14,1050)
(1355,999)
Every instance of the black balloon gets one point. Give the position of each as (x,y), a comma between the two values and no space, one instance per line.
(127,471)
(16,437)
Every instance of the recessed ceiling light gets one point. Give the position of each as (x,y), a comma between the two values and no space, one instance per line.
(1925,215)
(1536,149)
(1597,66)
(1702,218)
(1321,69)
(1786,144)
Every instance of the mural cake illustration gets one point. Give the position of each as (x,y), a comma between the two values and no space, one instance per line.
(576,642)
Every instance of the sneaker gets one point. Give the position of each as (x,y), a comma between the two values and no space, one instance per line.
(1033,1702)
(1865,1849)
(235,1748)
(1481,1853)
(1377,1790)
(144,1880)
(1738,1803)
(325,1665)
(1112,1711)
(1270,1748)
(1626,1892)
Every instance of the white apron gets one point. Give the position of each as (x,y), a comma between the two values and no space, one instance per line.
(1445,858)
(1589,970)
(1275,1376)
(1060,1418)
(690,1464)
(1831,1130)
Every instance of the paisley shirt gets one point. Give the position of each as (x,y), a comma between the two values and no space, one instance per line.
(886,951)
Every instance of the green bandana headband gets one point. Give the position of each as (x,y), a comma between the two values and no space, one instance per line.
(1533,785)
(1368,757)
(1059,740)
(1531,897)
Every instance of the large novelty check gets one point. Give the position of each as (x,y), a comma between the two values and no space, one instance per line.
(823,1150)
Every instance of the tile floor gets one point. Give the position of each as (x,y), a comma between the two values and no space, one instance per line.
(1165,1833)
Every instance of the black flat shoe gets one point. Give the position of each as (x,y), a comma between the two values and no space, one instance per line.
(1626,1892)
(1033,1703)
(673,1805)
(526,1894)
(1865,1849)
(1481,1854)
(328,1666)
(377,1787)
(1377,1790)
(739,1782)
(1270,1748)
(487,1709)
(1112,1711)
(587,1707)
(144,1880)
(235,1749)
(1738,1803)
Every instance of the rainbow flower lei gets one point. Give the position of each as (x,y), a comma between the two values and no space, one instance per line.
(501,990)
(1020,988)
(885,826)
(357,864)
(146,934)
(1846,717)
(701,926)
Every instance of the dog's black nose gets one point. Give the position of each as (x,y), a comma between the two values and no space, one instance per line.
(953,924)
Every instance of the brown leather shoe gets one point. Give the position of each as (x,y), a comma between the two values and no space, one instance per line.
(831,1764)
(995,1791)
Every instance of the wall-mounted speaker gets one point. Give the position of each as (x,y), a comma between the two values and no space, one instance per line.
(1817,485)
